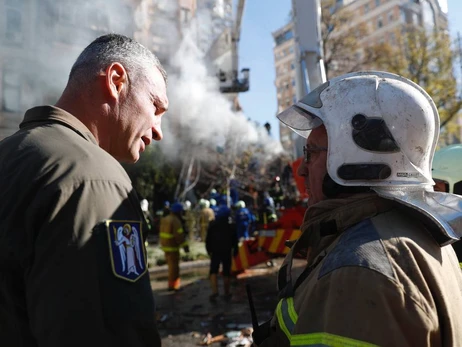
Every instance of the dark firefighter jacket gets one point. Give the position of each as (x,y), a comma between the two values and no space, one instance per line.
(221,236)
(58,286)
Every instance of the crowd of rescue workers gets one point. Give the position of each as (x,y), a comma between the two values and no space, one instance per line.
(220,222)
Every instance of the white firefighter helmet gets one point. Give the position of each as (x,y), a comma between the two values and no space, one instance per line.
(213,202)
(382,128)
(447,167)
(187,205)
(240,204)
(144,205)
(204,203)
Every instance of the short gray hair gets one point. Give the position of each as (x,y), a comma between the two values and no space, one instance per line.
(111,48)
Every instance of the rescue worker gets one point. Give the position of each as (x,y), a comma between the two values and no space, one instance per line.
(172,238)
(148,221)
(73,264)
(206,215)
(447,174)
(375,235)
(213,205)
(267,209)
(166,208)
(276,192)
(244,219)
(190,220)
(215,195)
(221,244)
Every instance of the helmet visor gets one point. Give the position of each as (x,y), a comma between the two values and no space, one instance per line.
(299,120)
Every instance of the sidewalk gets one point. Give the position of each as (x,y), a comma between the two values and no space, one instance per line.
(183,265)
(186,317)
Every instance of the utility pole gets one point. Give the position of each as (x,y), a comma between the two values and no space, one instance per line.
(309,68)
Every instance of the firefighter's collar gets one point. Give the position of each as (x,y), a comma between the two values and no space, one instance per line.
(442,212)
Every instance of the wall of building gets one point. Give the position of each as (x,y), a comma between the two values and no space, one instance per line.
(285,83)
(40,40)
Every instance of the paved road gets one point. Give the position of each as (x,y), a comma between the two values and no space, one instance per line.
(186,316)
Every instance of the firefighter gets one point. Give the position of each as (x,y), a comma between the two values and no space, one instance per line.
(166,208)
(148,221)
(221,244)
(190,219)
(276,192)
(447,174)
(213,205)
(267,209)
(375,235)
(206,215)
(172,238)
(244,219)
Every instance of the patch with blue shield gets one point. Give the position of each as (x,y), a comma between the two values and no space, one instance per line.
(128,258)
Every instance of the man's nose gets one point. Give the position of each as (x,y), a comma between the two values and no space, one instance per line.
(157,132)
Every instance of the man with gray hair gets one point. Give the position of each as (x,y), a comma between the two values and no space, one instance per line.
(68,203)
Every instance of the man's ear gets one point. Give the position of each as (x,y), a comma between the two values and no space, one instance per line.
(116,80)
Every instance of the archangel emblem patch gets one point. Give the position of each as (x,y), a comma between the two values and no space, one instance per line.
(126,249)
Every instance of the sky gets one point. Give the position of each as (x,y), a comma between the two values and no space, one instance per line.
(261,18)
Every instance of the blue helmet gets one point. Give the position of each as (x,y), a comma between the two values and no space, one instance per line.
(223,212)
(177,207)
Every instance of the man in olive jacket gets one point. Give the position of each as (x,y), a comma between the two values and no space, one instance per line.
(73,268)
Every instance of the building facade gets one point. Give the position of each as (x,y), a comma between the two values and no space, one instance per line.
(285,81)
(40,40)
(384,17)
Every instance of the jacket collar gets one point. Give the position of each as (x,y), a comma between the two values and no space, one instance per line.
(324,221)
(53,114)
(322,224)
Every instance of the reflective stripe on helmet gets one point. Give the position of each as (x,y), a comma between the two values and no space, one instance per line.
(325,339)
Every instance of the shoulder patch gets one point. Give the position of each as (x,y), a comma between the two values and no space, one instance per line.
(360,246)
(126,249)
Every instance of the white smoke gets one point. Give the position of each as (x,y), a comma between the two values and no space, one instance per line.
(201,121)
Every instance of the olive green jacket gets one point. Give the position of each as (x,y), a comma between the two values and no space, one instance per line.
(57,281)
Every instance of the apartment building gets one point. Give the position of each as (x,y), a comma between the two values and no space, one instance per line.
(161,24)
(39,41)
(384,17)
(285,82)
